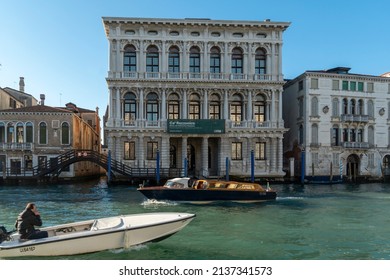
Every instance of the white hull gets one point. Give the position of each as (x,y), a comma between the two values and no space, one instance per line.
(98,235)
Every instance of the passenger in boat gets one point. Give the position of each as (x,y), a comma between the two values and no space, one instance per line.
(26,221)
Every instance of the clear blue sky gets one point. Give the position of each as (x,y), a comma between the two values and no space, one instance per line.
(61,50)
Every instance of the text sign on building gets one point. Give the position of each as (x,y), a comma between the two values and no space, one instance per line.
(196,126)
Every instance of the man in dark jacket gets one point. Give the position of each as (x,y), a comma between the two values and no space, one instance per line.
(26,221)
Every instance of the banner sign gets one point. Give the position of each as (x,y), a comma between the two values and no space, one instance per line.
(188,126)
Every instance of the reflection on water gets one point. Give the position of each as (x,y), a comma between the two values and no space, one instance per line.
(304,222)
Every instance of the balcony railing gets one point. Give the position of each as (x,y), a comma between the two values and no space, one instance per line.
(355,145)
(188,75)
(16,146)
(354,118)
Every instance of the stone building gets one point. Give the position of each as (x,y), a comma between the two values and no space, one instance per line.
(12,98)
(31,136)
(341,121)
(202,94)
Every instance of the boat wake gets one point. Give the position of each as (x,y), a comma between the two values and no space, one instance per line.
(130,249)
(155,203)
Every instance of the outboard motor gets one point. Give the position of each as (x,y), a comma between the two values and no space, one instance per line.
(4,235)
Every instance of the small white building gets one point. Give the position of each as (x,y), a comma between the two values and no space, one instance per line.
(342,123)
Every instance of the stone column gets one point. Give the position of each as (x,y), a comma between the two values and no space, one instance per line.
(140,151)
(205,158)
(164,152)
(273,155)
(280,117)
(205,105)
(118,107)
(273,115)
(280,155)
(249,117)
(226,106)
(163,105)
(141,104)
(184,114)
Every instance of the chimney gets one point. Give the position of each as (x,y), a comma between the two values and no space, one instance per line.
(21,84)
(42,96)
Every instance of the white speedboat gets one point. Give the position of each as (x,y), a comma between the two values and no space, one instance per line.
(97,235)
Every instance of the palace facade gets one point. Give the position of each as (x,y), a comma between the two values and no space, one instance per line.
(341,121)
(200,94)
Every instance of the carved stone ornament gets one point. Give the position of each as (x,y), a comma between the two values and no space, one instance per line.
(325,109)
(382,111)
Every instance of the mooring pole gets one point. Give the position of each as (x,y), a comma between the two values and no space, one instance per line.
(109,166)
(227,168)
(252,166)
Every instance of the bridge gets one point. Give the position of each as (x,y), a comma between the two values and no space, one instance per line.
(53,167)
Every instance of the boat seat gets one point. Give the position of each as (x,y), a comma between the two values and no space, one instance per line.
(107,223)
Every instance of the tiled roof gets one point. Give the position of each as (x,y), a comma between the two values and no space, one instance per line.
(36,109)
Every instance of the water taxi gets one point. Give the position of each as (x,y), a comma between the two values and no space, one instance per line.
(186,189)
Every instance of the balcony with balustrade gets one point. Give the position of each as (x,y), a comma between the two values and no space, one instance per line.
(355,118)
(16,146)
(193,76)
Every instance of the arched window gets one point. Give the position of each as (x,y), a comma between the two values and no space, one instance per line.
(129,108)
(194,107)
(215,60)
(174,60)
(42,133)
(314,106)
(65,137)
(345,106)
(29,132)
(335,107)
(152,107)
(10,133)
(371,140)
(259,108)
(173,107)
(352,109)
(260,63)
(314,134)
(370,108)
(360,135)
(236,108)
(335,136)
(215,107)
(360,107)
(130,59)
(194,60)
(237,61)
(352,135)
(19,133)
(2,132)
(152,57)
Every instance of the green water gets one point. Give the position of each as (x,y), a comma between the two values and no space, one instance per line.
(314,222)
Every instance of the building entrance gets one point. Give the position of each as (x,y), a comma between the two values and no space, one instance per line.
(352,167)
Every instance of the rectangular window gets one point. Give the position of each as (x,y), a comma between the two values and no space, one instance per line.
(360,86)
(235,112)
(28,162)
(335,85)
(300,85)
(152,148)
(173,111)
(194,113)
(260,151)
(352,86)
(129,150)
(314,83)
(345,85)
(370,87)
(236,150)
(214,111)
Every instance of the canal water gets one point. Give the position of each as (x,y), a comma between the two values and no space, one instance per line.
(313,222)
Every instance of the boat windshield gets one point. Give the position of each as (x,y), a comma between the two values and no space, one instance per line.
(171,184)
